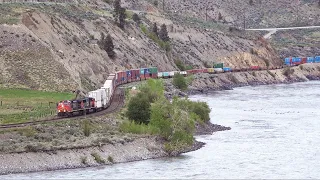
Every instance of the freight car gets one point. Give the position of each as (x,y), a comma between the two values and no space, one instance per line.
(101,98)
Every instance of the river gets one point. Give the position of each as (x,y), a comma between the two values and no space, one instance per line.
(275,134)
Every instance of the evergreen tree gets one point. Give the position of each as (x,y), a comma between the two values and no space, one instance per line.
(163,34)
(155,29)
(117,9)
(108,46)
(122,17)
(136,18)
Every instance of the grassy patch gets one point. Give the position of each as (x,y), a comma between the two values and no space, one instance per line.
(110,159)
(135,128)
(20,105)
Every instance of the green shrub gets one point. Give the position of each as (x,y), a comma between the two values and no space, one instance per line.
(179,64)
(139,108)
(98,158)
(110,159)
(254,74)
(179,81)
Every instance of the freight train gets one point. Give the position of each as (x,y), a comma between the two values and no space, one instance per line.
(101,98)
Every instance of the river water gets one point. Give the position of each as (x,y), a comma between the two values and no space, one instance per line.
(275,134)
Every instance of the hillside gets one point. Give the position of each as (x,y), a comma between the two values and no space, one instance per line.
(54,46)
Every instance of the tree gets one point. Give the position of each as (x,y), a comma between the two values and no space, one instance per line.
(108,46)
(163,34)
(136,18)
(155,29)
(251,2)
(117,8)
(139,109)
(179,81)
(122,17)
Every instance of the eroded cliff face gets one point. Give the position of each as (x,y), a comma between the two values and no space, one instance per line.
(55,46)
(207,82)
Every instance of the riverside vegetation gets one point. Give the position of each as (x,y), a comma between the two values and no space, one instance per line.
(149,112)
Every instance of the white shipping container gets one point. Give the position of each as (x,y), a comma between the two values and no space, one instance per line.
(97,96)
(218,70)
(103,97)
(160,74)
(183,72)
(172,73)
(106,90)
(108,84)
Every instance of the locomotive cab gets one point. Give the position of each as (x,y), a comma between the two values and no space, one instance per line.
(64,108)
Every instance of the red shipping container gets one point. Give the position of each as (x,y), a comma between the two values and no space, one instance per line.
(189,72)
(142,77)
(205,70)
(147,76)
(303,60)
(154,75)
(118,80)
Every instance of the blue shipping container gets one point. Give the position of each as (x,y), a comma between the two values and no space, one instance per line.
(310,59)
(146,71)
(317,59)
(226,69)
(165,74)
(128,73)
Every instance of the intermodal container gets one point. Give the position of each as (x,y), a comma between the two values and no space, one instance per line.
(317,59)
(205,70)
(184,73)
(210,70)
(165,74)
(303,60)
(218,65)
(296,60)
(310,59)
(135,74)
(129,74)
(255,67)
(160,74)
(218,70)
(288,61)
(190,71)
(227,69)
(154,70)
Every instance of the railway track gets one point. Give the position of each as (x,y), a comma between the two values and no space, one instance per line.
(117,103)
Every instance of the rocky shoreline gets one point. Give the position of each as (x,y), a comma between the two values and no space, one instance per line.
(141,148)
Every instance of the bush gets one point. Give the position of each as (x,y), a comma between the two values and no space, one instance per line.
(98,158)
(110,159)
(179,81)
(139,108)
(179,64)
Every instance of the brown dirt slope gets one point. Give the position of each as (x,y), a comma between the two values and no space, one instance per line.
(54,46)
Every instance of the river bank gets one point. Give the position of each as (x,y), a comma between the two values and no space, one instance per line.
(204,83)
(139,148)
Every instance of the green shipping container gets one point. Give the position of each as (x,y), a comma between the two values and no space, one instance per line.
(153,70)
(218,65)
